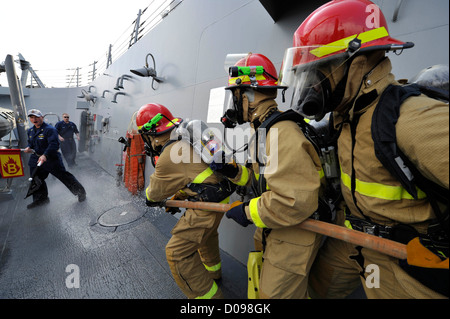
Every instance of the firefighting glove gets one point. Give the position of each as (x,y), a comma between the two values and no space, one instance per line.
(151,203)
(173,210)
(237,213)
(218,164)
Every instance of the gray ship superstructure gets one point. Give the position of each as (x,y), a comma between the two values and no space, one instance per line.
(179,63)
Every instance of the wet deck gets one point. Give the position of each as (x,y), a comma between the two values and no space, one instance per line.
(123,260)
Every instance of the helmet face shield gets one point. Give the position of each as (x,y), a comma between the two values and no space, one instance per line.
(149,149)
(310,79)
(310,91)
(233,59)
(233,108)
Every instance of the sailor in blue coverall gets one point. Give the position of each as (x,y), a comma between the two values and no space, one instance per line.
(43,139)
(66,129)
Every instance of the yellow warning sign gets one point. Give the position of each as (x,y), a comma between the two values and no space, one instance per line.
(10,163)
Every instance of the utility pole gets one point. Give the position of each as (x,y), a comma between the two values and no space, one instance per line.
(93,70)
(77,75)
(109,58)
(135,34)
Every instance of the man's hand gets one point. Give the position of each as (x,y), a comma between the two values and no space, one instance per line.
(150,203)
(218,164)
(42,159)
(237,213)
(174,210)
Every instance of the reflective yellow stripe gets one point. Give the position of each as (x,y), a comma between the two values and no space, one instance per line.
(342,44)
(171,123)
(245,78)
(213,268)
(348,224)
(225,201)
(244,177)
(200,178)
(381,191)
(253,206)
(210,293)
(321,173)
(146,194)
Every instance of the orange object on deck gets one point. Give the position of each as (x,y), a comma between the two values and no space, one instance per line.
(133,176)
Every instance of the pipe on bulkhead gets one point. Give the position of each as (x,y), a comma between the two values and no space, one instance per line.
(119,82)
(105,91)
(115,96)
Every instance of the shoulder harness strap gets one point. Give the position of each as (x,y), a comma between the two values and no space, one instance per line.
(384,136)
(324,212)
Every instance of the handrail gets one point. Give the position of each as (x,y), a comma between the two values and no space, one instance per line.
(149,17)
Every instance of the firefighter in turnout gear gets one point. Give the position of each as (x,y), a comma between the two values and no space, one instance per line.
(193,250)
(338,64)
(282,202)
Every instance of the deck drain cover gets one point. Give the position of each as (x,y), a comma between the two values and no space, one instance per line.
(118,216)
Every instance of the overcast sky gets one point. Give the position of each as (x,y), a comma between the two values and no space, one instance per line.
(62,34)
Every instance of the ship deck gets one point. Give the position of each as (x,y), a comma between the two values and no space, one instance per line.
(112,244)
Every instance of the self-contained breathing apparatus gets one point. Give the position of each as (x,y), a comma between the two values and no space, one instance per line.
(245,76)
(205,144)
(383,133)
(436,239)
(320,135)
(202,138)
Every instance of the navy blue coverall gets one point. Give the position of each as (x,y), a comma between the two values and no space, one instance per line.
(68,146)
(44,141)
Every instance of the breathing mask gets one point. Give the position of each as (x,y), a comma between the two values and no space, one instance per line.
(234,113)
(312,82)
(312,94)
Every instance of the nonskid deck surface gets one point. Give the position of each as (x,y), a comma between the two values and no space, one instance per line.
(111,244)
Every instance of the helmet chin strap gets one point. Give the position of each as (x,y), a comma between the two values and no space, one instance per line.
(238,102)
(176,124)
(248,96)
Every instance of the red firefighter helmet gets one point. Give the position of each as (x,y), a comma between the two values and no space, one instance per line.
(324,44)
(167,122)
(330,29)
(265,77)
